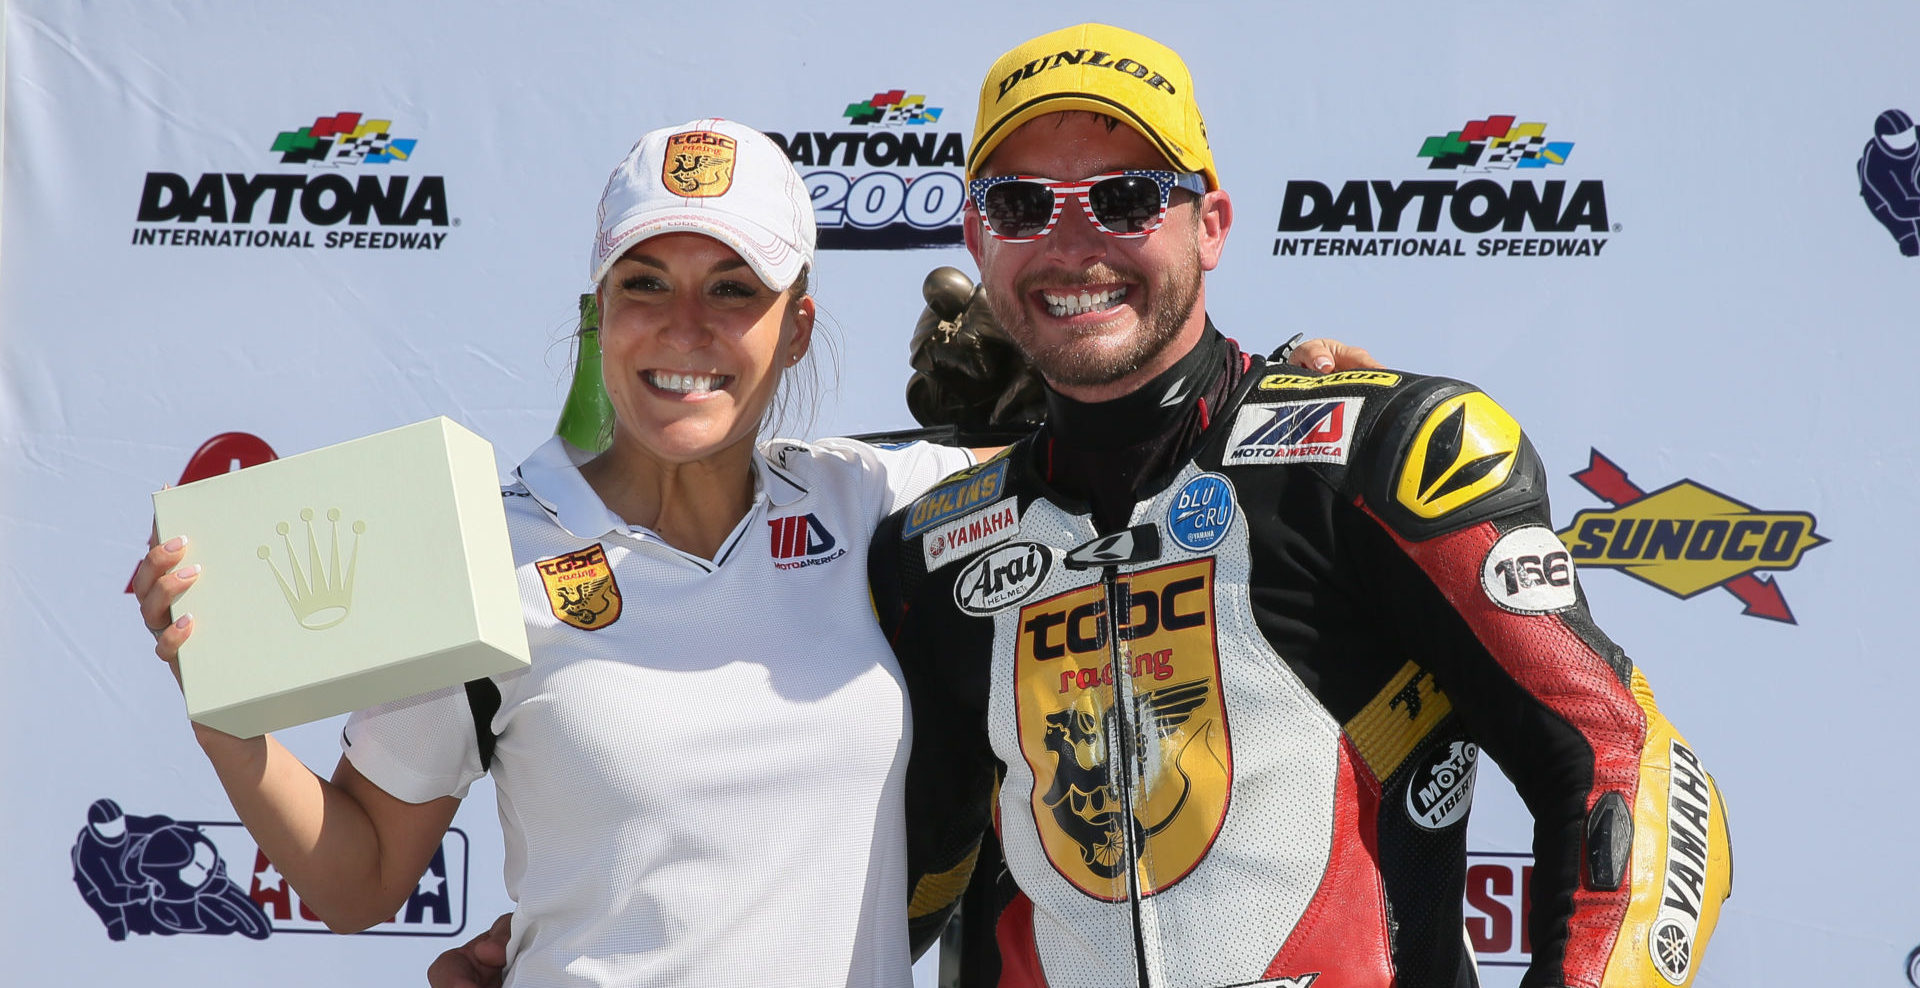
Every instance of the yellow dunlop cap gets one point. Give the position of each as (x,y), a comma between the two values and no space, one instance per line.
(1102,69)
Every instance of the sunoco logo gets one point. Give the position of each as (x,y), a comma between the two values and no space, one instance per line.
(893,181)
(1687,538)
(1516,216)
(282,209)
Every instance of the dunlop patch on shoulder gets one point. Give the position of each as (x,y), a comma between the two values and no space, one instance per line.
(581,589)
(699,164)
(972,489)
(1464,450)
(1305,382)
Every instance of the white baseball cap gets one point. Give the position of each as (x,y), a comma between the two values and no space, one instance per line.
(713,177)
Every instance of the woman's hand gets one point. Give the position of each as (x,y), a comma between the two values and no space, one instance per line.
(1329,355)
(157,583)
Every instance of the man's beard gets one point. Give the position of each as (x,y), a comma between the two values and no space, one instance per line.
(1072,363)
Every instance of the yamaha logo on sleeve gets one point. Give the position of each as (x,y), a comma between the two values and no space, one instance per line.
(1689,847)
(1200,515)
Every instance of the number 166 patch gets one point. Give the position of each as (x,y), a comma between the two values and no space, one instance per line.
(1529,572)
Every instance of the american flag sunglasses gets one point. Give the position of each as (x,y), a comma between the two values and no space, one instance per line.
(1131,204)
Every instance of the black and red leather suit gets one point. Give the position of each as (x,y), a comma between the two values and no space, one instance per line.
(1210,667)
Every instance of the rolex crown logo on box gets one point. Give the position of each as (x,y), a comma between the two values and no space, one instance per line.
(320,597)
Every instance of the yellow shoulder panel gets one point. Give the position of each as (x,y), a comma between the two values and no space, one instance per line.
(1463,450)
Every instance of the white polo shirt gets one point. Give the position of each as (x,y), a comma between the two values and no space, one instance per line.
(699,777)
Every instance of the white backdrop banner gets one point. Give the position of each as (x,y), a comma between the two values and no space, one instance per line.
(1677,241)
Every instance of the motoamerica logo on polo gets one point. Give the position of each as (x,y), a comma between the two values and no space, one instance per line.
(580,588)
(1071,721)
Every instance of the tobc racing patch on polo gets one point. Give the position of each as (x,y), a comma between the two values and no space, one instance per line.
(967,491)
(1464,450)
(1529,572)
(969,534)
(1308,382)
(580,588)
(1293,432)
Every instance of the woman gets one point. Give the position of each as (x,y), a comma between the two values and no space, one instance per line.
(699,775)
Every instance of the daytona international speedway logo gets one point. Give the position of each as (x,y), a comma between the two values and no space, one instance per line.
(1498,194)
(1686,539)
(885,176)
(323,205)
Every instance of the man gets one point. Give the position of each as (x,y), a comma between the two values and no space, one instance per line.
(1209,659)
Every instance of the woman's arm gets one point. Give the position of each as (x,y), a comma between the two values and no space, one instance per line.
(350,849)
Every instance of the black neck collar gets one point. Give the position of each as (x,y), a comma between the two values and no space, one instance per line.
(1152,410)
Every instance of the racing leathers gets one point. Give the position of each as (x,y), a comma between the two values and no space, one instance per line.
(1216,662)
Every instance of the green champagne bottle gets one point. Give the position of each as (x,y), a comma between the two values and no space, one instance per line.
(586,420)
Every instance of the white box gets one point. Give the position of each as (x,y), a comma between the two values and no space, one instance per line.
(346,577)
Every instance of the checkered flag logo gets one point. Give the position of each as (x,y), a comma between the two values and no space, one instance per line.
(893,108)
(343,139)
(1495,144)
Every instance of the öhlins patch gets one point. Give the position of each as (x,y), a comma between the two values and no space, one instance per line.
(580,588)
(1072,712)
(699,164)
(1465,449)
(968,490)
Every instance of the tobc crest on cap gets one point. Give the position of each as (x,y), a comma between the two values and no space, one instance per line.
(699,164)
